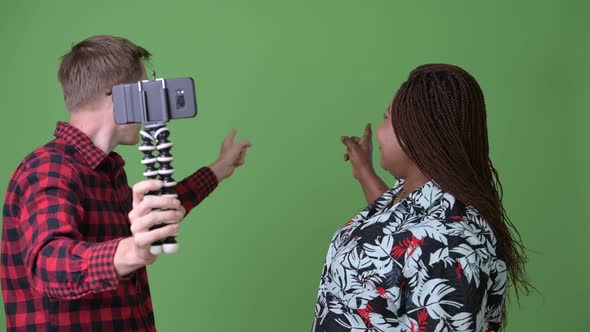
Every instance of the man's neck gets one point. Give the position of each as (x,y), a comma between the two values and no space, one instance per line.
(93,124)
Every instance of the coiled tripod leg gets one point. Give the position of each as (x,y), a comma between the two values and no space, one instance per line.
(165,171)
(151,172)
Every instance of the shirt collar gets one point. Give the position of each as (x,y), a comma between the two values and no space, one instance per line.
(91,154)
(428,195)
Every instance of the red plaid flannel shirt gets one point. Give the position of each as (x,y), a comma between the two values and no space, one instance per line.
(64,214)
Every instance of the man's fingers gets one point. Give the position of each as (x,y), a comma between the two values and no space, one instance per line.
(230,138)
(242,156)
(141,188)
(154,218)
(151,202)
(243,144)
(144,223)
(145,239)
(239,150)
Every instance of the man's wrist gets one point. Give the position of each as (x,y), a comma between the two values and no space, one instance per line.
(217,170)
(126,259)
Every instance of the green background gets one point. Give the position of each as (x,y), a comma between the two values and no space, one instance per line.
(293,76)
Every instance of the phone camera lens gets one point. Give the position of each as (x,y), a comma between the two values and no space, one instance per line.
(180,99)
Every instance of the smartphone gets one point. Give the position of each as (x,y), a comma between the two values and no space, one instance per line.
(155,101)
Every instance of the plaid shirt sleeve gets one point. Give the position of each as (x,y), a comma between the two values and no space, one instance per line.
(59,263)
(195,188)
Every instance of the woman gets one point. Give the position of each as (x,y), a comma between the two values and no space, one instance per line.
(434,252)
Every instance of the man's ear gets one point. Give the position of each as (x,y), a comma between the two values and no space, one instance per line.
(108,101)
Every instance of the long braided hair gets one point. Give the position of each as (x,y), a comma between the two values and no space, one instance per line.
(439,118)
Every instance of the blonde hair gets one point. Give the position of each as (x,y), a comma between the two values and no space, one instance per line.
(95,65)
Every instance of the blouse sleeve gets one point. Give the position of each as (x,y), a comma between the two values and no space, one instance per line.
(444,282)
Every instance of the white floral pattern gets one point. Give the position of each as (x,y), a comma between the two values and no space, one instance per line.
(427,263)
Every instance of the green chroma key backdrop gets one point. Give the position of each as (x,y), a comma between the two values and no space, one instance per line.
(293,76)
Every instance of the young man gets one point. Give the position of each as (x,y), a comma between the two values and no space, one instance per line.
(76,238)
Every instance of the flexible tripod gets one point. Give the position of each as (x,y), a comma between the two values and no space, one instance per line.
(158,133)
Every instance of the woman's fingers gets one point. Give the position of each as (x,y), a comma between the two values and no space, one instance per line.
(368,132)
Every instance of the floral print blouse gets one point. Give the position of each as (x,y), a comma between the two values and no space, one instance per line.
(427,263)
